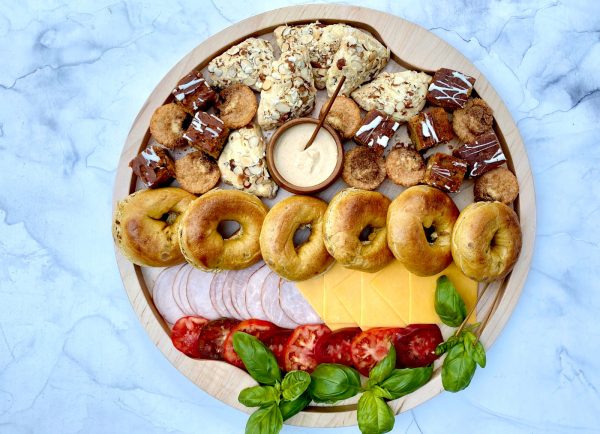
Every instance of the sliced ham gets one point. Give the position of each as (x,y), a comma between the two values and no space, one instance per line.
(295,305)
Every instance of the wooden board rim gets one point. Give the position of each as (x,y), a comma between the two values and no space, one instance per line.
(413,47)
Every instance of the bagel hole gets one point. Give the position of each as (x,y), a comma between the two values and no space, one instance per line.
(365,234)
(228,228)
(431,234)
(169,217)
(186,122)
(301,235)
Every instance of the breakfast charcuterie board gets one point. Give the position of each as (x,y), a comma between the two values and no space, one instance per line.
(411,48)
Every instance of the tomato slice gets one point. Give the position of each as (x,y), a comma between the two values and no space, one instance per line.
(336,347)
(185,334)
(415,345)
(370,346)
(276,342)
(212,338)
(255,327)
(300,350)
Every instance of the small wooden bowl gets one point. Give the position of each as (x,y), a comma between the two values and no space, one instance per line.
(281,181)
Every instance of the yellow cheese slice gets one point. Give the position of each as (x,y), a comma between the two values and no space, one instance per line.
(335,313)
(348,293)
(422,294)
(392,284)
(312,290)
(375,310)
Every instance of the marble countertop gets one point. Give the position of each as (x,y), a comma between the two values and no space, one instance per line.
(74,357)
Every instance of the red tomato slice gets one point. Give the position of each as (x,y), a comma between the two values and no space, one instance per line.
(300,350)
(370,347)
(185,334)
(255,327)
(276,343)
(336,347)
(415,345)
(212,338)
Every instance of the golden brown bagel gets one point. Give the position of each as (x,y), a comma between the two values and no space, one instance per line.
(486,240)
(145,226)
(419,223)
(199,238)
(349,213)
(277,238)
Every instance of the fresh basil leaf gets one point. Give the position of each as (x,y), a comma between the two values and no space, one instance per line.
(469,339)
(383,368)
(265,420)
(449,306)
(404,381)
(380,392)
(458,369)
(258,359)
(258,396)
(479,354)
(294,384)
(374,415)
(333,382)
(444,347)
(292,408)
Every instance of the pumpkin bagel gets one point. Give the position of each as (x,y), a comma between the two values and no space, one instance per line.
(349,213)
(145,226)
(420,222)
(277,238)
(202,244)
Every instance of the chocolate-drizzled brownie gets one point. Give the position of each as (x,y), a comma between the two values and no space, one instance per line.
(193,93)
(153,166)
(376,130)
(431,128)
(207,133)
(445,172)
(482,155)
(450,89)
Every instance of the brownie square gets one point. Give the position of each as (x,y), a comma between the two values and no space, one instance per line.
(450,89)
(445,172)
(193,93)
(207,133)
(431,128)
(376,130)
(153,166)
(482,155)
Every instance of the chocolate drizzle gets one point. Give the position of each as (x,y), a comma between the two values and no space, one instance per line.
(482,155)
(450,89)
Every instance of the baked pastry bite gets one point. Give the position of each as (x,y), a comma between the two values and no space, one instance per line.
(473,120)
(168,124)
(193,93)
(496,185)
(360,58)
(207,133)
(482,155)
(405,166)
(445,172)
(153,166)
(196,172)
(288,91)
(376,130)
(400,95)
(246,63)
(430,128)
(450,89)
(237,106)
(363,168)
(344,116)
(242,162)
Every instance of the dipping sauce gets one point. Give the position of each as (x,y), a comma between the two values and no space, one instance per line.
(305,168)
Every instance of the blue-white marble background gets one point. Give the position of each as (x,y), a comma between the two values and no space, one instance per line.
(73,356)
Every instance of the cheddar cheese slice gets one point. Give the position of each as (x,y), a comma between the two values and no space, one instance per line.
(312,290)
(375,310)
(348,292)
(422,295)
(392,284)
(335,313)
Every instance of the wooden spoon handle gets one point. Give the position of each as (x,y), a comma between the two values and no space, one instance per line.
(325,113)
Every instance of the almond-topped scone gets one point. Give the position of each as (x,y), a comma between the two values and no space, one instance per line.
(322,42)
(400,95)
(248,62)
(242,162)
(288,91)
(360,58)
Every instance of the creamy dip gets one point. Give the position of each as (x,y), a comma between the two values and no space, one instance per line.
(305,168)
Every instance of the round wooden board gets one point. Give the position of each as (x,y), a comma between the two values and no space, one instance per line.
(413,48)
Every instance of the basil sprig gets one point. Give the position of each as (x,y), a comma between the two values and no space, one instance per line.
(265,420)
(449,306)
(259,361)
(294,384)
(332,382)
